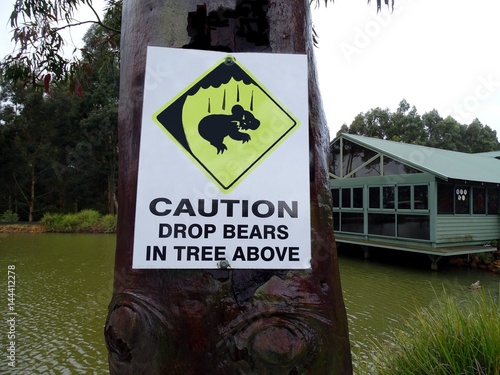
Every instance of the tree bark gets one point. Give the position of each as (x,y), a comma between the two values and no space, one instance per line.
(223,321)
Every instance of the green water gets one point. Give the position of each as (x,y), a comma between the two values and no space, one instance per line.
(380,293)
(64,282)
(63,286)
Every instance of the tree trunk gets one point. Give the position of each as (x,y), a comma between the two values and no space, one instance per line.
(223,321)
(111,194)
(32,193)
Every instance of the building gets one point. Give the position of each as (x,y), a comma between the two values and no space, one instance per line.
(414,198)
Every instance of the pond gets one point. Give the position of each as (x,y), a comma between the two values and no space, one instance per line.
(64,284)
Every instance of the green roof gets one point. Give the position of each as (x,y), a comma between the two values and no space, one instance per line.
(491,154)
(442,163)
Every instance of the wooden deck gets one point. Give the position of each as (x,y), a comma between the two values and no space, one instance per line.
(417,248)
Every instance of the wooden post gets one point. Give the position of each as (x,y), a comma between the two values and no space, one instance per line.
(223,321)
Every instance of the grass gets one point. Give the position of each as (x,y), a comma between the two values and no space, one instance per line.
(451,338)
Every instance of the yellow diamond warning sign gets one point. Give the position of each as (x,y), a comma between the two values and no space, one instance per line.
(227,122)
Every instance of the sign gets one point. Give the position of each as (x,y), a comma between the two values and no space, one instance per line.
(223,176)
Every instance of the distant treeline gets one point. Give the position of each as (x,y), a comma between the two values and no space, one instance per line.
(59,142)
(430,129)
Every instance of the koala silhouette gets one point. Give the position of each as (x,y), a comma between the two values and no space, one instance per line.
(214,128)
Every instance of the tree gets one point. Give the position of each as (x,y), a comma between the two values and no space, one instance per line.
(430,121)
(59,150)
(99,107)
(373,123)
(9,158)
(191,322)
(447,135)
(36,128)
(37,27)
(480,137)
(31,143)
(406,125)
(79,158)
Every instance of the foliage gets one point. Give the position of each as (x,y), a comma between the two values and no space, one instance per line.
(430,129)
(69,223)
(107,224)
(52,220)
(9,217)
(379,3)
(60,151)
(29,126)
(37,27)
(453,337)
(85,221)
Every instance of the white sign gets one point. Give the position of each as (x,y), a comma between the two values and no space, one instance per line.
(224,162)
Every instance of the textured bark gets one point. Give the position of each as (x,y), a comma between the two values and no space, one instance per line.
(223,321)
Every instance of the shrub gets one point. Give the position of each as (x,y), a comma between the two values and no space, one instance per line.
(9,217)
(52,221)
(87,219)
(451,338)
(108,224)
(69,223)
(83,221)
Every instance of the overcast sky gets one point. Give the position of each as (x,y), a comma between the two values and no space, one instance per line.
(442,54)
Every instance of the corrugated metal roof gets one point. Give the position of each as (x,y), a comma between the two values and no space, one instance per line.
(442,163)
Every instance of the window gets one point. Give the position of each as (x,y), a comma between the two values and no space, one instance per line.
(382,224)
(392,166)
(353,160)
(335,197)
(462,199)
(409,197)
(445,198)
(421,197)
(335,159)
(352,222)
(404,197)
(357,197)
(370,169)
(407,225)
(351,197)
(388,197)
(346,198)
(493,202)
(374,197)
(479,201)
(414,226)
(354,156)
(336,221)
(466,200)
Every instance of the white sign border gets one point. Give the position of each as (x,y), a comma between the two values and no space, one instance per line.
(283,176)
